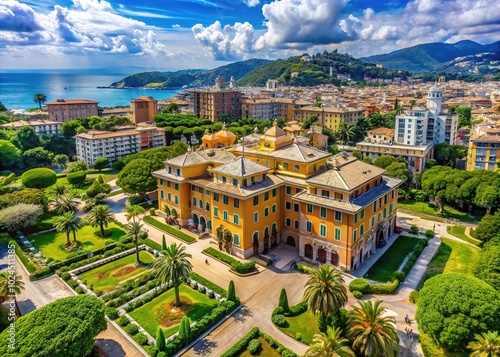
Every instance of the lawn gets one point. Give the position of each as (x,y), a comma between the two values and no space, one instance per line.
(49,244)
(266,350)
(306,324)
(107,175)
(158,312)
(108,276)
(47,222)
(473,233)
(389,263)
(459,232)
(449,212)
(452,257)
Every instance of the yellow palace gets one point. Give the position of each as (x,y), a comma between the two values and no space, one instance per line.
(270,189)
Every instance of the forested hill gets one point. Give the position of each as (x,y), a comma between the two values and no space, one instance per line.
(309,70)
(189,77)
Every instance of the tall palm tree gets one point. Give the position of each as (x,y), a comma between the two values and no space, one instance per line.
(68,223)
(65,202)
(325,291)
(40,98)
(173,266)
(329,344)
(135,230)
(372,333)
(133,211)
(487,344)
(101,216)
(10,288)
(345,131)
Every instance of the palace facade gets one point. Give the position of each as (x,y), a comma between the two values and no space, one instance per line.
(270,189)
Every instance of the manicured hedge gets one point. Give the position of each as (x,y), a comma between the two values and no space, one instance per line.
(39,178)
(76,178)
(152,244)
(236,265)
(304,268)
(28,264)
(168,229)
(363,286)
(208,284)
(241,345)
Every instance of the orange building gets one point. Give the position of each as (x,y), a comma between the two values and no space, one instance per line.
(63,110)
(270,188)
(143,109)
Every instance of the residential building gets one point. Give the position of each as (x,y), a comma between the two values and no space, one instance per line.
(41,126)
(113,145)
(63,110)
(270,189)
(329,117)
(143,109)
(419,126)
(483,147)
(214,103)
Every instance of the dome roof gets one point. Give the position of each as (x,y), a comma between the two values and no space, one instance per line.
(275,131)
(224,133)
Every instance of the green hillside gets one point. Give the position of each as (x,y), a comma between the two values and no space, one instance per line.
(308,70)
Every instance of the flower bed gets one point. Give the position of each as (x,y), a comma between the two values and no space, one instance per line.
(236,265)
(168,229)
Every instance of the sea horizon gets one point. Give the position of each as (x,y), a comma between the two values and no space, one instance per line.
(17,87)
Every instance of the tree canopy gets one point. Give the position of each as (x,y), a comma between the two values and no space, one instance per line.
(487,266)
(384,160)
(136,177)
(488,227)
(9,153)
(454,307)
(20,216)
(64,328)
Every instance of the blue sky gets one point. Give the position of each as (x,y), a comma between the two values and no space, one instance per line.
(176,34)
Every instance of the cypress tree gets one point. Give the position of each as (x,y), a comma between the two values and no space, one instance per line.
(163,242)
(160,339)
(231,292)
(100,179)
(283,302)
(184,330)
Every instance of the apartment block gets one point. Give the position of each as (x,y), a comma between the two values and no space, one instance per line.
(329,117)
(63,110)
(143,109)
(41,126)
(483,147)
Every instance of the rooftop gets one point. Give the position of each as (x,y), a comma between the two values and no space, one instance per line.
(72,101)
(271,181)
(98,134)
(241,167)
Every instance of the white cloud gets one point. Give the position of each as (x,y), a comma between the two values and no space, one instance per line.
(252,3)
(176,26)
(229,42)
(368,13)
(17,17)
(386,33)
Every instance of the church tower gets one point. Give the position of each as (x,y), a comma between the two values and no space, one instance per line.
(434,100)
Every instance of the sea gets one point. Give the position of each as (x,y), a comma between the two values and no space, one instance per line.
(17,88)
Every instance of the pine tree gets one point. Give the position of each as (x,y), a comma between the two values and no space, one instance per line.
(184,330)
(163,243)
(231,292)
(160,339)
(283,301)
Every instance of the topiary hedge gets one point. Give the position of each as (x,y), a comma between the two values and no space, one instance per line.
(76,178)
(253,346)
(39,178)
(361,285)
(28,264)
(239,347)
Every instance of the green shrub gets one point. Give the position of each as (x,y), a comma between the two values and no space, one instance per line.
(399,275)
(28,264)
(208,284)
(39,178)
(152,350)
(131,329)
(160,339)
(278,311)
(184,330)
(429,233)
(298,309)
(152,211)
(360,285)
(298,336)
(240,346)
(243,268)
(123,321)
(428,347)
(40,272)
(231,292)
(414,295)
(303,268)
(79,290)
(283,301)
(279,320)
(111,313)
(414,229)
(72,283)
(165,227)
(76,178)
(253,346)
(385,289)
(357,294)
(141,339)
(288,353)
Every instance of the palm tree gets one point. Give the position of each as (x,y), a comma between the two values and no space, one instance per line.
(372,333)
(101,216)
(487,344)
(329,344)
(10,288)
(68,223)
(345,131)
(133,211)
(40,98)
(59,190)
(65,202)
(325,292)
(173,267)
(135,230)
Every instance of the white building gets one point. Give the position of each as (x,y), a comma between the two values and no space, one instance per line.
(41,126)
(419,126)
